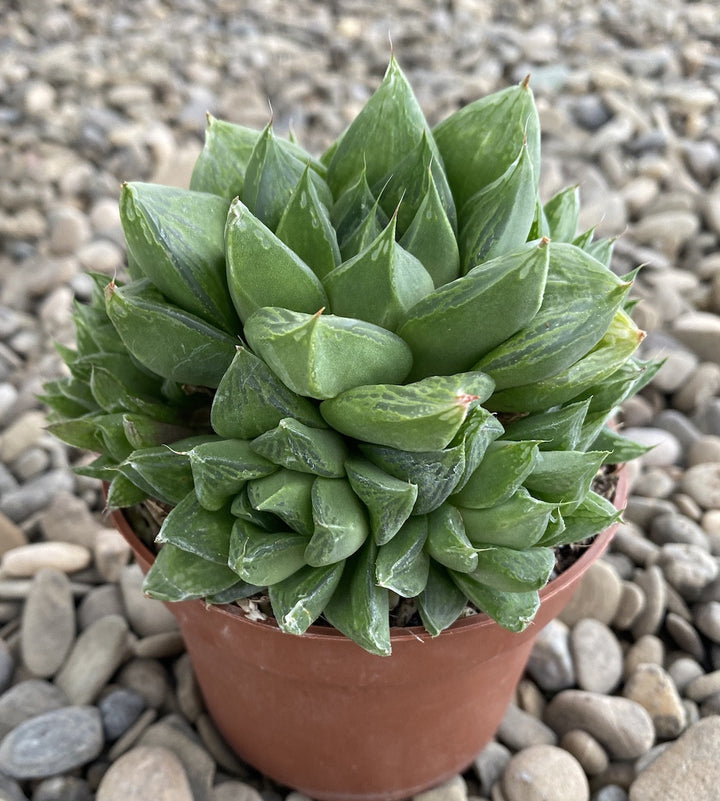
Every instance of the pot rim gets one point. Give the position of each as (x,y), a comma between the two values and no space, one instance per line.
(399,633)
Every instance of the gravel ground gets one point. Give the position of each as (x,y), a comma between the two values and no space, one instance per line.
(622,696)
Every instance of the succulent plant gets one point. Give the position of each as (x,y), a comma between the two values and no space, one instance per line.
(386,373)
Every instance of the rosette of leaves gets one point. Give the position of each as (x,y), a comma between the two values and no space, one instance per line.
(382,374)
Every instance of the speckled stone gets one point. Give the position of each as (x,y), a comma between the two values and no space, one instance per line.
(651,686)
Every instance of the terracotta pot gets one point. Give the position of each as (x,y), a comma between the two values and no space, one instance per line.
(321,715)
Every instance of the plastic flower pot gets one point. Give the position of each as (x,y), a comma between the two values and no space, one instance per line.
(319,714)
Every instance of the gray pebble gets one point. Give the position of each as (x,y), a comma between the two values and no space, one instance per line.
(119,709)
(700,331)
(702,385)
(146,616)
(97,653)
(146,773)
(550,663)
(199,765)
(702,483)
(642,510)
(680,426)
(648,649)
(20,503)
(703,686)
(544,771)
(623,727)
(611,792)
(688,568)
(55,742)
(149,678)
(69,229)
(707,416)
(630,541)
(597,656)
(707,619)
(63,788)
(454,789)
(10,790)
(686,771)
(25,700)
(490,764)
(654,482)
(685,635)
(632,603)
(7,665)
(235,791)
(186,688)
(519,730)
(597,596)
(218,748)
(99,602)
(586,749)
(48,623)
(668,528)
(684,670)
(704,450)
(652,583)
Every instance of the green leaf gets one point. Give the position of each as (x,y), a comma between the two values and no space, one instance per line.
(430,237)
(564,477)
(143,431)
(263,271)
(221,468)
(306,229)
(123,493)
(447,542)
(518,522)
(423,416)
(389,500)
(251,399)
(594,515)
(562,212)
(381,135)
(511,570)
(498,218)
(271,175)
(615,348)
(111,432)
(581,298)
(627,380)
(540,227)
(164,470)
(436,473)
(288,495)
(380,284)
(619,449)
(441,603)
(358,607)
(402,564)
(298,447)
(365,234)
(479,430)
(263,558)
(352,211)
(480,141)
(503,469)
(235,592)
(103,468)
(220,167)
(299,600)
(196,530)
(454,326)
(512,610)
(242,508)
(166,339)
(178,575)
(80,433)
(340,519)
(403,189)
(322,355)
(176,237)
(558,429)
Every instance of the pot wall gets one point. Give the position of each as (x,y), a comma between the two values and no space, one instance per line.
(321,715)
